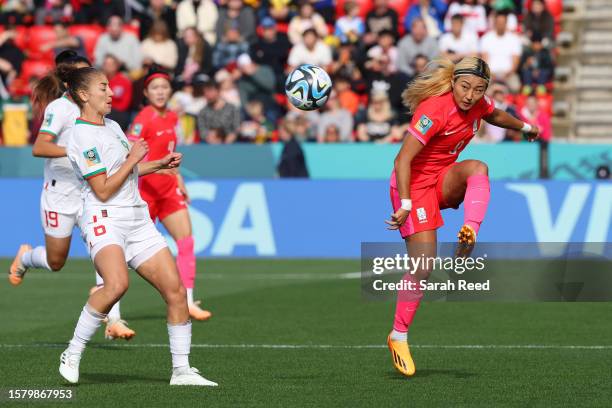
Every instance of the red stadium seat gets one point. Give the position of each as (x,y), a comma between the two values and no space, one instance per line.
(89,34)
(282,27)
(21,39)
(401,6)
(35,68)
(364,7)
(38,36)
(129,28)
(555,7)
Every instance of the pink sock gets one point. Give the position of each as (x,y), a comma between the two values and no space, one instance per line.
(404,313)
(185,261)
(407,304)
(476,201)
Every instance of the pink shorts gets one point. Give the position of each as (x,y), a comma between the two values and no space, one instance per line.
(426,205)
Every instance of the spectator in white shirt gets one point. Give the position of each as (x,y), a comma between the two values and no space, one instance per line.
(384,50)
(474,15)
(458,43)
(501,49)
(158,47)
(310,51)
(124,46)
(306,19)
(202,14)
(350,27)
(417,42)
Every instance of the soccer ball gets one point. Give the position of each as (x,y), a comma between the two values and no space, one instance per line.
(308,87)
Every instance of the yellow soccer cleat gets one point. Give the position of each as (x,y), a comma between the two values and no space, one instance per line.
(400,355)
(17,269)
(195,312)
(118,329)
(467,241)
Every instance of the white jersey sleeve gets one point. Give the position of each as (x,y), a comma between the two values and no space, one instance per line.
(84,152)
(57,118)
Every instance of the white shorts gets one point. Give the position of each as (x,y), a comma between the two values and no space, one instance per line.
(131,229)
(59,212)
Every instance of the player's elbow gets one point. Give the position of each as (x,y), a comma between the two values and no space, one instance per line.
(401,160)
(102,195)
(36,151)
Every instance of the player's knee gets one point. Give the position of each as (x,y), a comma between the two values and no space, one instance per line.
(185,245)
(56,263)
(480,168)
(117,288)
(176,295)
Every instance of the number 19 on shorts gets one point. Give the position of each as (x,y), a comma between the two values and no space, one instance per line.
(51,219)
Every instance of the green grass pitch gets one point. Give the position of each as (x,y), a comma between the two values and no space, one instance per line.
(296,333)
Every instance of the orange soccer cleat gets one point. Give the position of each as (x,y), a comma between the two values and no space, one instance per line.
(401,357)
(17,269)
(117,329)
(195,312)
(467,241)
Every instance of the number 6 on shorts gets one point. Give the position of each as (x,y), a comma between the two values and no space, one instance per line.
(99,230)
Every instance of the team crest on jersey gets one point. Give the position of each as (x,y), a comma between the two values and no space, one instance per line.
(423,124)
(48,119)
(137,129)
(421,214)
(92,157)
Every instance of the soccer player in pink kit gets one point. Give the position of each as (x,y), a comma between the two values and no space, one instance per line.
(448,103)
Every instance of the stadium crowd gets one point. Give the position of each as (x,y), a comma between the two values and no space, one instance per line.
(229,60)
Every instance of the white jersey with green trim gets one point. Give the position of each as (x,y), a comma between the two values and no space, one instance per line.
(58,122)
(95,149)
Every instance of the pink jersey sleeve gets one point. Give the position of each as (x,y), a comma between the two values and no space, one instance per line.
(486,106)
(427,121)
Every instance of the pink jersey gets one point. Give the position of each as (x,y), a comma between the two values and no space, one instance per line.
(444,130)
(158,130)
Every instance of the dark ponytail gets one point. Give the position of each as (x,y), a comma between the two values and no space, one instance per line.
(46,90)
(78,80)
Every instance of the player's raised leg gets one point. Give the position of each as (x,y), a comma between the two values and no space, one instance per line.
(468,182)
(408,302)
(178,225)
(51,257)
(160,271)
(110,262)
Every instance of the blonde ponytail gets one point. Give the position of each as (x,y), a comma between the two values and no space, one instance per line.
(438,77)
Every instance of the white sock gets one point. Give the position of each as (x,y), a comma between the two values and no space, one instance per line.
(180,343)
(399,336)
(114,313)
(189,296)
(88,323)
(36,258)
(99,280)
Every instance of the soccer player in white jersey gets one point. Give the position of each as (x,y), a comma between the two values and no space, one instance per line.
(60,201)
(117,228)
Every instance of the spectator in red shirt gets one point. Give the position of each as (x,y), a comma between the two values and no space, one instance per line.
(122,90)
(532,113)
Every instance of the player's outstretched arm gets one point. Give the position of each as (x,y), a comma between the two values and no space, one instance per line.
(105,187)
(44,146)
(410,148)
(171,161)
(504,120)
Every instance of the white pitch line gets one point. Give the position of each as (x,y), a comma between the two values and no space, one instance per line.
(333,346)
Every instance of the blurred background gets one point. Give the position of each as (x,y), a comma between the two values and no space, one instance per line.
(551,62)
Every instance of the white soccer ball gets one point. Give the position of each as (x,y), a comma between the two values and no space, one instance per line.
(308,87)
